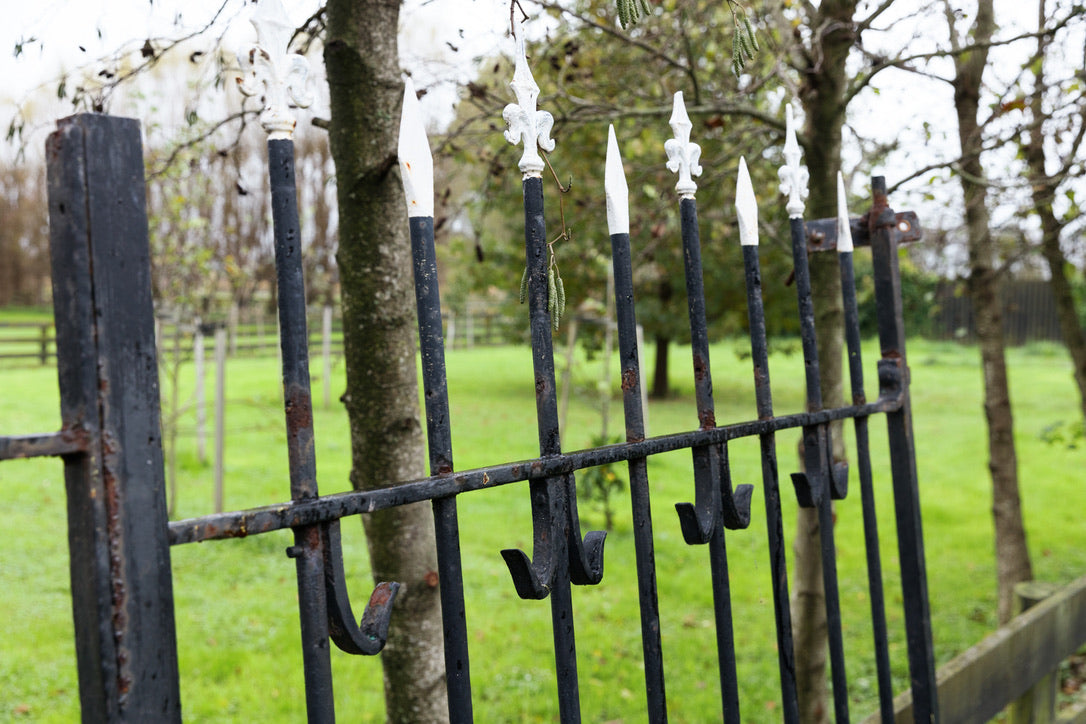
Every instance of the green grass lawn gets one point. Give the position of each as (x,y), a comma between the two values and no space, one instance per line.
(236,600)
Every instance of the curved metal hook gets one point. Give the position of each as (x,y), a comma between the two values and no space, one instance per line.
(533,578)
(839,481)
(735,504)
(698,519)
(817,452)
(713,492)
(585,557)
(367,637)
(554,506)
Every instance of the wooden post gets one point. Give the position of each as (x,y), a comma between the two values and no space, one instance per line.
(220,413)
(44,344)
(122,587)
(200,393)
(1038,705)
(644,387)
(232,320)
(326,353)
(608,355)
(567,374)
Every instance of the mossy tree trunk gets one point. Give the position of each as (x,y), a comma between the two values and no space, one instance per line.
(374,261)
(823,92)
(1012,554)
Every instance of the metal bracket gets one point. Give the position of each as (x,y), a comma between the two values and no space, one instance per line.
(822,233)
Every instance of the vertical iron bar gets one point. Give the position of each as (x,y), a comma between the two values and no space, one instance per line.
(894,379)
(778,565)
(122,587)
(639,481)
(439,442)
(537,257)
(709,461)
(725,636)
(818,455)
(308,549)
(867,492)
(695,300)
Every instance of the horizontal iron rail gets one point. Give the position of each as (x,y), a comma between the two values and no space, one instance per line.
(254,521)
(65,442)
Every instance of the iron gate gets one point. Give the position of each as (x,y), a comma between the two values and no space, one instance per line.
(120,539)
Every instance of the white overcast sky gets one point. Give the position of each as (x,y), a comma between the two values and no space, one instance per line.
(74,32)
(71,33)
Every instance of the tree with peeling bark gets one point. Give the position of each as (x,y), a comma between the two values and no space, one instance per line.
(1012,553)
(374,259)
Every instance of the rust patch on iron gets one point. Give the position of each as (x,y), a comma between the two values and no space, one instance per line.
(629,380)
(431,579)
(382,595)
(299,408)
(701,368)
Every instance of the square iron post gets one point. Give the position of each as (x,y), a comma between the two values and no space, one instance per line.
(122,586)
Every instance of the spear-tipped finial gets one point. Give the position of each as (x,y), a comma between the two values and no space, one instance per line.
(793,175)
(416,161)
(268,69)
(682,155)
(746,206)
(844,232)
(615,188)
(525,122)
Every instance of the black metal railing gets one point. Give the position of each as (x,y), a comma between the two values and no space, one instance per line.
(120,538)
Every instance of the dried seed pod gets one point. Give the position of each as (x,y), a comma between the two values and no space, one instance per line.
(561,296)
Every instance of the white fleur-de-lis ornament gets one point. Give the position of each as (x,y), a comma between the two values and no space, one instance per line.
(267,68)
(793,175)
(682,155)
(527,124)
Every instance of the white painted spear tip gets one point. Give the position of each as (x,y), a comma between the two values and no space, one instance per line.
(844,232)
(746,206)
(615,188)
(416,161)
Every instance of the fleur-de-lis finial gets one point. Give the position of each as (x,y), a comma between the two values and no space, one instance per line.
(746,206)
(267,68)
(525,122)
(682,155)
(844,231)
(793,175)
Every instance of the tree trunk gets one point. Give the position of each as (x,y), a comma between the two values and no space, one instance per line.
(374,261)
(822,92)
(1012,554)
(1070,327)
(1044,190)
(660,385)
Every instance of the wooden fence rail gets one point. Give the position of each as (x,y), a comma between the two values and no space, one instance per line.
(979,683)
(37,344)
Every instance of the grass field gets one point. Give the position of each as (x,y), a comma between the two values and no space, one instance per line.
(236,601)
